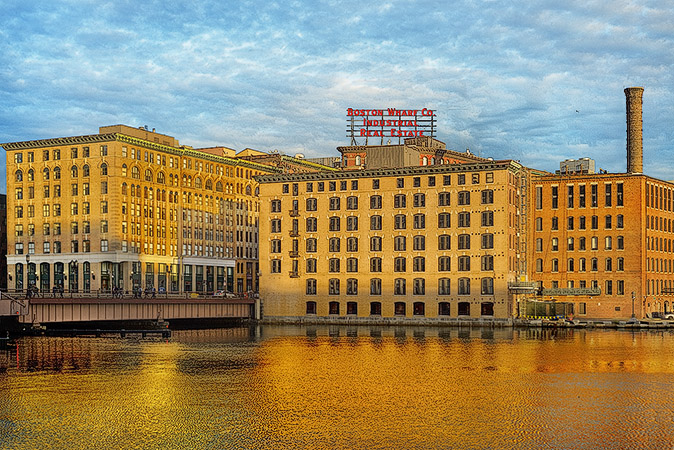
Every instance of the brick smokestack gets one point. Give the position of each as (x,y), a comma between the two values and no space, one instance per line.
(635,146)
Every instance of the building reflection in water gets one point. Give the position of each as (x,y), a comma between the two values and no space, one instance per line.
(342,387)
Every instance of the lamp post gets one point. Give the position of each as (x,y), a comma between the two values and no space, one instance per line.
(633,297)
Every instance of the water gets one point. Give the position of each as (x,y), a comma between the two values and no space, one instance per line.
(331,387)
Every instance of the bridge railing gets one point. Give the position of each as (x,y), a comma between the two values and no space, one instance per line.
(22,294)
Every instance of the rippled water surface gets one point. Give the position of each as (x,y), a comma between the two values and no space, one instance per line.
(325,388)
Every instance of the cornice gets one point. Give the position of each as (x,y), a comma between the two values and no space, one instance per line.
(403,171)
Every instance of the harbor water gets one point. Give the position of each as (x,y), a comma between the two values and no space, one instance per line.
(331,387)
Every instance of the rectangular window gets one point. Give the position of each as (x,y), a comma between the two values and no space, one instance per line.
(619,195)
(607,197)
(581,196)
(594,202)
(539,197)
(569,200)
(555,197)
(104,207)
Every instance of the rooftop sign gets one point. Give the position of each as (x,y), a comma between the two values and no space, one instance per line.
(389,123)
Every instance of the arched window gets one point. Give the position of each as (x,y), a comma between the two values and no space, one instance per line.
(197,182)
(18,175)
(57,173)
(85,170)
(257,191)
(123,188)
(218,186)
(45,173)
(424,161)
(135,172)
(31,175)
(148,175)
(104,169)
(73,171)
(358,160)
(161,178)
(124,170)
(248,190)
(209,185)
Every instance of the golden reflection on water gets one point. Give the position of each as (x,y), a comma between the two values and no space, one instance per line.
(332,387)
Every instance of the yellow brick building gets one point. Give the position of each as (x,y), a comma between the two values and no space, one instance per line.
(419,242)
(130,208)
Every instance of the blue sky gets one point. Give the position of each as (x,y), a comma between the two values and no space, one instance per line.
(537,81)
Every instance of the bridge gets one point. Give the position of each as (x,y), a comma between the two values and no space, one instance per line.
(97,307)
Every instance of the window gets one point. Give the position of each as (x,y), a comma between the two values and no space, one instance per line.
(464,198)
(275,246)
(333,289)
(555,197)
(595,222)
(609,284)
(311,245)
(375,184)
(488,286)
(419,264)
(419,221)
(555,224)
(352,264)
(444,242)
(569,200)
(464,219)
(607,224)
(375,223)
(104,245)
(275,266)
(400,183)
(312,205)
(487,197)
(608,243)
(311,225)
(619,194)
(419,200)
(334,203)
(399,264)
(608,264)
(444,288)
(399,287)
(400,243)
(334,224)
(554,265)
(334,244)
(352,202)
(620,243)
(487,218)
(461,179)
(443,199)
(352,223)
(464,263)
(399,201)
(570,265)
(419,288)
(464,286)
(375,289)
(400,222)
(375,244)
(593,195)
(569,244)
(443,220)
(375,202)
(446,180)
(444,264)
(375,264)
(569,223)
(581,196)
(351,289)
(276,206)
(487,240)
(464,241)
(276,225)
(352,244)
(607,197)
(619,221)
(487,263)
(104,207)
(419,243)
(333,265)
(539,197)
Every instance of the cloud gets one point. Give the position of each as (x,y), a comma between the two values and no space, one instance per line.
(506,80)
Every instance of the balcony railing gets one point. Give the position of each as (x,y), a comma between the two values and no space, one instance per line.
(294,274)
(294,213)
(294,253)
(523,286)
(294,233)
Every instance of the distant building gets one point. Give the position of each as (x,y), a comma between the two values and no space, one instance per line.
(419,151)
(582,166)
(131,208)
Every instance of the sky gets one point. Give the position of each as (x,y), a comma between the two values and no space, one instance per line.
(534,81)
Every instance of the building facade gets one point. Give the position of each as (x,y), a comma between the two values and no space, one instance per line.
(130,208)
(420,242)
(604,243)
